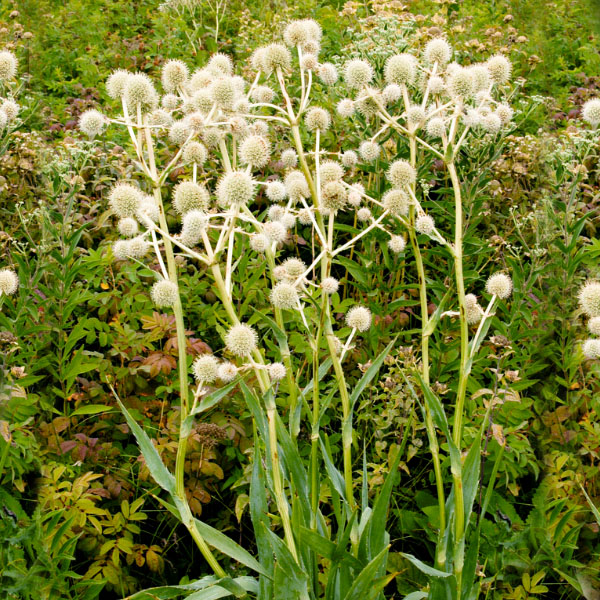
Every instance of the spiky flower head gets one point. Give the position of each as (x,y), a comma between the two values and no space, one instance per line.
(438,50)
(309,62)
(366,104)
(358,73)
(120,249)
(276,192)
(179,132)
(500,68)
(369,151)
(148,209)
(289,158)
(276,371)
(205,368)
(224,93)
(401,69)
(349,158)
(276,56)
(195,152)
(333,195)
(10,108)
(139,91)
(92,122)
(241,340)
(9,282)
(160,117)
(304,216)
(295,34)
(128,227)
(491,123)
(473,313)
(263,94)
(401,174)
(436,127)
(164,293)
(137,247)
(396,201)
(499,284)
(194,223)
(235,188)
(294,267)
(8,65)
(296,185)
(331,170)
(3,120)
(591,349)
(397,244)
(169,101)
(276,212)
(174,75)
(188,196)
(461,83)
(345,108)
(589,298)
(227,372)
(481,77)
(436,85)
(415,115)
(594,325)
(330,285)
(591,112)
(425,224)
(259,242)
(327,73)
(317,118)
(363,215)
(355,194)
(255,150)
(391,93)
(505,113)
(284,295)
(115,84)
(125,200)
(359,317)
(220,63)
(275,231)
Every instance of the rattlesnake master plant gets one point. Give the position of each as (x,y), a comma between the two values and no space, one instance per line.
(235,143)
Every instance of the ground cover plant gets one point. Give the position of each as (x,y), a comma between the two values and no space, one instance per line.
(292,309)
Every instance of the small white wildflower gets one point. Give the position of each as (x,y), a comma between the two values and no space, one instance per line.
(401,69)
(241,340)
(194,152)
(397,244)
(276,371)
(276,192)
(369,151)
(425,224)
(174,75)
(227,372)
(164,293)
(289,158)
(327,73)
(594,325)
(275,231)
(235,187)
(438,50)
(363,215)
(189,196)
(205,368)
(401,174)
(591,112)
(500,68)
(317,118)
(359,317)
(330,285)
(589,299)
(128,227)
(349,158)
(499,284)
(9,282)
(591,349)
(358,73)
(124,200)
(92,122)
(8,65)
(284,295)
(391,93)
(345,108)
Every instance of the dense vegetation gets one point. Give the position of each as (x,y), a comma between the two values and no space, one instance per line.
(88,354)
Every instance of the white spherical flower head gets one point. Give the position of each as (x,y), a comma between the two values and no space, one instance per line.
(289,158)
(331,170)
(358,73)
(284,295)
(294,267)
(115,84)
(8,65)
(255,150)
(425,224)
(276,371)
(470,300)
(474,314)
(499,68)
(367,105)
(309,62)
(396,201)
(262,94)
(241,340)
(235,187)
(359,317)
(174,75)
(139,91)
(189,196)
(194,223)
(148,208)
(296,185)
(591,349)
(349,158)
(128,227)
(179,132)
(194,152)
(275,231)
(391,93)
(436,85)
(591,112)
(124,200)
(461,83)
(9,282)
(317,118)
(164,293)
(401,174)
(160,117)
(327,73)
(220,64)
(276,212)
(227,372)
(401,69)
(438,50)
(499,284)
(295,34)
(594,325)
(224,93)
(369,151)
(3,119)
(10,109)
(276,56)
(363,215)
(481,77)
(333,196)
(330,285)
(288,221)
(397,244)
(436,127)
(137,247)
(169,101)
(120,249)
(491,123)
(589,299)
(205,368)
(415,115)
(92,122)
(345,108)
(505,113)
(276,191)
(315,33)
(259,242)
